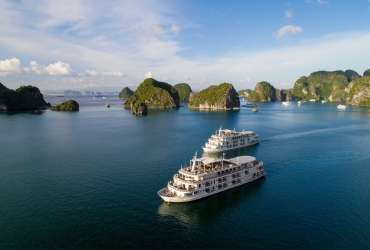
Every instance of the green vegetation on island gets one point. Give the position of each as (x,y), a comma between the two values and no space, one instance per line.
(359,92)
(23,98)
(223,96)
(126,93)
(328,85)
(153,94)
(367,72)
(263,91)
(184,91)
(69,105)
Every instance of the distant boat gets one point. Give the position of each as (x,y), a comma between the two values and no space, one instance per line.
(254,109)
(299,102)
(107,105)
(287,103)
(312,100)
(340,106)
(251,105)
(60,95)
(324,101)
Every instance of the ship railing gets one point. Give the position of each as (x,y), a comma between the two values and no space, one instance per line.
(181,189)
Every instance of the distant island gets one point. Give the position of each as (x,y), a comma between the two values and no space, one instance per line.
(223,96)
(69,105)
(126,93)
(184,91)
(337,85)
(23,98)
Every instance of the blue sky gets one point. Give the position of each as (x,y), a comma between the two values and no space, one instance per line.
(107,45)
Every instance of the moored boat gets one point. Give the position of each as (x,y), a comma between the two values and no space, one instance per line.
(207,176)
(226,139)
(340,106)
(250,105)
(312,100)
(287,103)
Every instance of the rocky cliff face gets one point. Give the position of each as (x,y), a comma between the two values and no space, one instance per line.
(222,96)
(23,98)
(324,85)
(359,92)
(153,94)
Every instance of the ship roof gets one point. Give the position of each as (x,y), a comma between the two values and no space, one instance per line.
(242,159)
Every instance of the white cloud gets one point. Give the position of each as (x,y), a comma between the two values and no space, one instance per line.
(322,2)
(175,29)
(59,68)
(289,13)
(288,29)
(148,75)
(10,67)
(158,31)
(113,73)
(92,73)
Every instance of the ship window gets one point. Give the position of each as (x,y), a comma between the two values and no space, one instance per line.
(199,185)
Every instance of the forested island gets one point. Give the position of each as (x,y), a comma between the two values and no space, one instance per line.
(23,98)
(70,105)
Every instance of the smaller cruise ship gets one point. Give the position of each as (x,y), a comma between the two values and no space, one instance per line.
(207,176)
(226,139)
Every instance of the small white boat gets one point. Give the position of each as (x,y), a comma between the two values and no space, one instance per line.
(287,103)
(324,101)
(340,106)
(299,102)
(312,100)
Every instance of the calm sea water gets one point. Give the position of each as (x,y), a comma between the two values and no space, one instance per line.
(89,179)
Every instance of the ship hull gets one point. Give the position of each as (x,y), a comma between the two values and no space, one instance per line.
(163,193)
(216,150)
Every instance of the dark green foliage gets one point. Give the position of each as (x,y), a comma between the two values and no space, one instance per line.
(184,91)
(126,93)
(69,105)
(2,87)
(323,84)
(365,102)
(367,72)
(24,98)
(154,94)
(223,96)
(263,91)
(351,75)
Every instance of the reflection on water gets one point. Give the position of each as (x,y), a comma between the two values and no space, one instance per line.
(211,208)
(30,112)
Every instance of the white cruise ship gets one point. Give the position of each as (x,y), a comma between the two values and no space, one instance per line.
(227,139)
(207,176)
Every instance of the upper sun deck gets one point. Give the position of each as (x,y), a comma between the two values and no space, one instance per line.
(225,133)
(211,165)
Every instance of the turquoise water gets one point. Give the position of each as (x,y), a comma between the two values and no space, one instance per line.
(89,179)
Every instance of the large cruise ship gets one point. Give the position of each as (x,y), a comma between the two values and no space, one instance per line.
(207,176)
(227,139)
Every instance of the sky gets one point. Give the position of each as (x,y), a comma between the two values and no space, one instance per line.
(111,44)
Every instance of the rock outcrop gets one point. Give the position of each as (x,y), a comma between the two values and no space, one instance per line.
(222,96)
(244,92)
(153,94)
(359,92)
(184,91)
(264,91)
(23,98)
(126,93)
(69,105)
(367,72)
